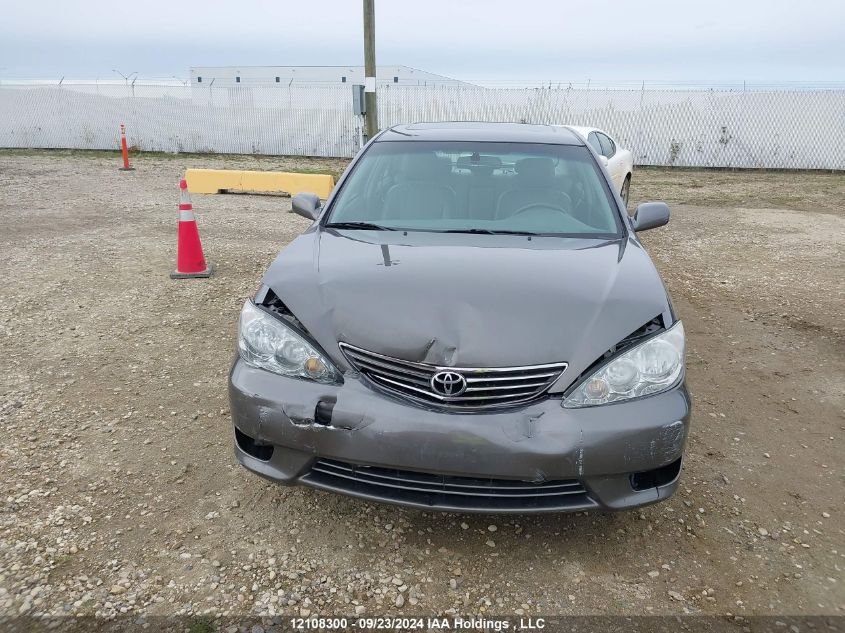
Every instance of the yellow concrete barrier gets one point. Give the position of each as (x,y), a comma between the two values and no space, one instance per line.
(217,180)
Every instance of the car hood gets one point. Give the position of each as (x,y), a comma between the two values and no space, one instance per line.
(463,300)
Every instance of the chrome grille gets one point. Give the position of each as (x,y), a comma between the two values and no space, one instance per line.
(489,387)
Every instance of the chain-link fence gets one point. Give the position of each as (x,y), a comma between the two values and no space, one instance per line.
(801,129)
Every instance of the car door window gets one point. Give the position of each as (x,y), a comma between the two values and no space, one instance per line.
(608,147)
(593,140)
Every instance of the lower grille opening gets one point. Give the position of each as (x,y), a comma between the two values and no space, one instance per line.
(251,447)
(323,412)
(446,491)
(657,477)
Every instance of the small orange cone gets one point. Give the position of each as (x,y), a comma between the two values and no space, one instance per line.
(124,149)
(190,261)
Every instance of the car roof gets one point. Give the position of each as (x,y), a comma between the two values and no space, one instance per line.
(584,130)
(481,131)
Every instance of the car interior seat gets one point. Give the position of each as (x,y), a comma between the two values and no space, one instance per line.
(423,193)
(483,185)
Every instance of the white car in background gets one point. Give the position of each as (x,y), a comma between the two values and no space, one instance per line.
(619,161)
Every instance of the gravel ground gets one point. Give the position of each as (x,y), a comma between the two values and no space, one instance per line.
(119,493)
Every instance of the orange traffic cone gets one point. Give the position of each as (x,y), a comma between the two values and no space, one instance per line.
(190,261)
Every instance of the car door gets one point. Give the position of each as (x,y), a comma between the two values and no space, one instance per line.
(614,162)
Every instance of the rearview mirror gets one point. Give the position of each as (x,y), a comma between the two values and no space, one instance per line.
(650,215)
(306,204)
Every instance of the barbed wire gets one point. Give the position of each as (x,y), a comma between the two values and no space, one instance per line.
(557,84)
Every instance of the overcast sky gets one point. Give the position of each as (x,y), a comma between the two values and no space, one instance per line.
(600,40)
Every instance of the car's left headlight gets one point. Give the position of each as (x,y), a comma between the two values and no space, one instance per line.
(268,343)
(650,367)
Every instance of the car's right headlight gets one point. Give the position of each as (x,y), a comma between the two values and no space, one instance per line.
(650,367)
(268,343)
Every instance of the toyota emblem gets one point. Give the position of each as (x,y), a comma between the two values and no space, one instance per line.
(448,383)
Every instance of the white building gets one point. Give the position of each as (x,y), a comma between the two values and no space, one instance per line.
(229,75)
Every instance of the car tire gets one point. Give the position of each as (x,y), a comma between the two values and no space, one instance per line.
(626,190)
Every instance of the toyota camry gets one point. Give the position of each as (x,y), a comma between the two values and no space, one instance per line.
(471,324)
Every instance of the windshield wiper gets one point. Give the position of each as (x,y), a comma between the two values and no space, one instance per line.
(490,232)
(367,226)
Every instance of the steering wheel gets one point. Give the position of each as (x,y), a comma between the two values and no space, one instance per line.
(543,205)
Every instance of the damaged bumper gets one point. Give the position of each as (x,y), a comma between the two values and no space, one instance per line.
(541,458)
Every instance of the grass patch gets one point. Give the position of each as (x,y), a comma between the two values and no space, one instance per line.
(201,625)
(109,153)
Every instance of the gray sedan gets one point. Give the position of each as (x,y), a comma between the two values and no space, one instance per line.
(470,324)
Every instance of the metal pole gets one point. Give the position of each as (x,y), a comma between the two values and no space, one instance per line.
(370,68)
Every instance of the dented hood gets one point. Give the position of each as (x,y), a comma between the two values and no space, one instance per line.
(468,300)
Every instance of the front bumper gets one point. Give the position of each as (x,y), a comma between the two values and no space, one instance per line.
(621,455)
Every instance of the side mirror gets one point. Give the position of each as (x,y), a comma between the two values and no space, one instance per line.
(603,159)
(650,215)
(306,204)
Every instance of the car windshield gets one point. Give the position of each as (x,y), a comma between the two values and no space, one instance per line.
(522,188)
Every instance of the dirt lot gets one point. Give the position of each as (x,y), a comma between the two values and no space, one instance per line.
(119,492)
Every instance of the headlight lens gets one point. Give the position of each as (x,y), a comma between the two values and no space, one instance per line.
(648,368)
(268,343)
